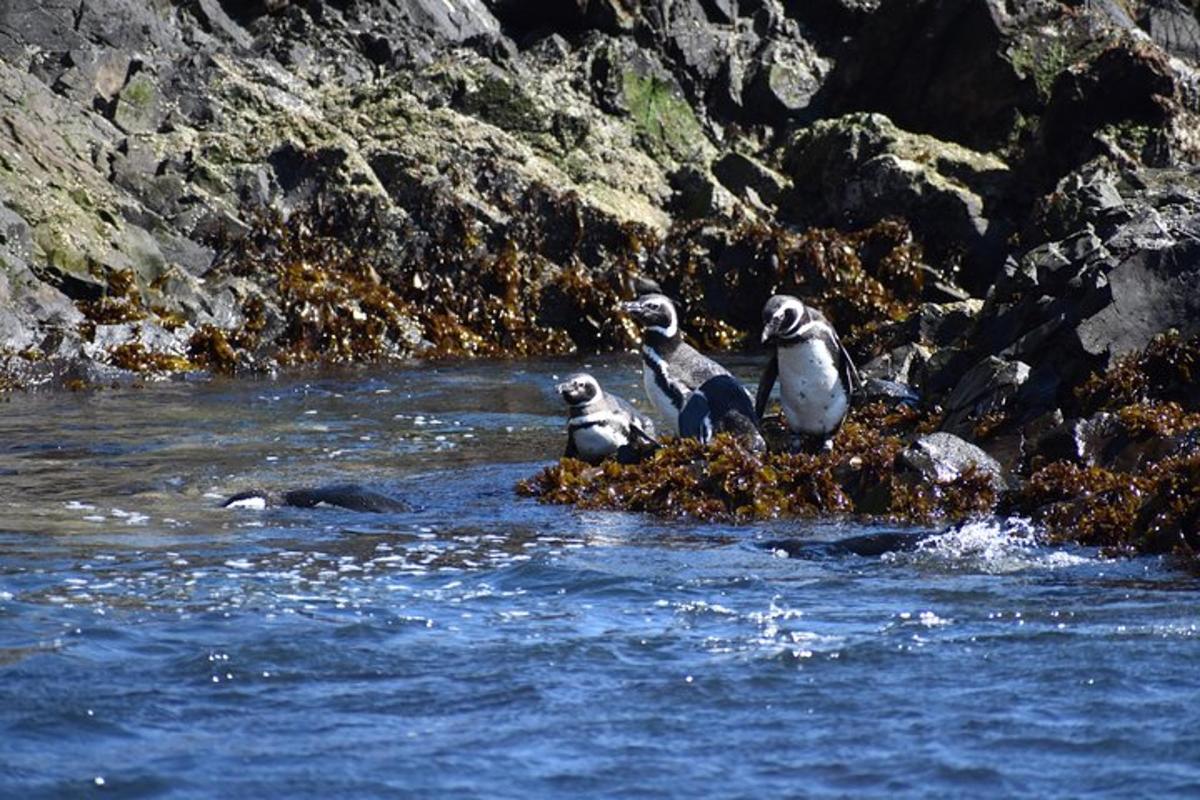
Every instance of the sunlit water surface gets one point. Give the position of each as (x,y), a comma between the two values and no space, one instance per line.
(153,644)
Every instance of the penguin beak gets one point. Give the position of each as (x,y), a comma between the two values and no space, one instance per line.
(635,309)
(769,331)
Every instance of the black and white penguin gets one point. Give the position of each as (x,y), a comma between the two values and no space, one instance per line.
(600,424)
(816,375)
(721,405)
(671,368)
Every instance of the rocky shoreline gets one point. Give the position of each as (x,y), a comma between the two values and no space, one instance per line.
(998,204)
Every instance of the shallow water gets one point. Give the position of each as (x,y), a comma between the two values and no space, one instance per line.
(153,644)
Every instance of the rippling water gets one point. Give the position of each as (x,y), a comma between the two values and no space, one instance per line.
(153,644)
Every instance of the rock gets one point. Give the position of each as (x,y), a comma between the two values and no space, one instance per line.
(942,457)
(897,365)
(1173,26)
(941,324)
(698,195)
(1080,441)
(861,168)
(139,107)
(1152,291)
(783,82)
(892,393)
(742,175)
(1129,86)
(935,66)
(989,387)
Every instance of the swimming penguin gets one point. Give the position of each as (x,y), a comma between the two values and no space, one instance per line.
(349,496)
(671,368)
(721,405)
(600,424)
(816,375)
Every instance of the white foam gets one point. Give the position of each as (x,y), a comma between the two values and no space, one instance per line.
(993,546)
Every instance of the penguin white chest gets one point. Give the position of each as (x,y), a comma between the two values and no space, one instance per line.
(661,400)
(810,388)
(599,441)
(598,434)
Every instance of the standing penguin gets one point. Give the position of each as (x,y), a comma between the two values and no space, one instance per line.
(600,424)
(816,375)
(671,368)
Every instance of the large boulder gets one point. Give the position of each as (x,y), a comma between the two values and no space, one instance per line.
(862,168)
(935,66)
(943,457)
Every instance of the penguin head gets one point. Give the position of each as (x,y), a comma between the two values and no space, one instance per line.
(654,313)
(578,389)
(782,318)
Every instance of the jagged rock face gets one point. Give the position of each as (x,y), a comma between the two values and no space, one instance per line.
(937,67)
(862,168)
(535,155)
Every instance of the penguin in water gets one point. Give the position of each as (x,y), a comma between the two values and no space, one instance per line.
(671,368)
(816,375)
(349,496)
(600,424)
(721,405)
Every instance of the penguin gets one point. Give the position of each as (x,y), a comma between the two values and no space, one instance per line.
(816,376)
(721,405)
(349,496)
(671,368)
(600,424)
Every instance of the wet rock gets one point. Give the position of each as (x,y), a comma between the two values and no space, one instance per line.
(1079,441)
(941,324)
(943,457)
(901,364)
(988,388)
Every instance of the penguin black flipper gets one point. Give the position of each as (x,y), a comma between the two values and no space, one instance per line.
(694,416)
(572,450)
(640,426)
(721,405)
(349,496)
(765,384)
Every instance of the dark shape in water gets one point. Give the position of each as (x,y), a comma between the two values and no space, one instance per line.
(868,545)
(348,496)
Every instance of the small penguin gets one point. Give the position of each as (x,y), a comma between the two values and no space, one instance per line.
(721,405)
(816,375)
(671,368)
(600,424)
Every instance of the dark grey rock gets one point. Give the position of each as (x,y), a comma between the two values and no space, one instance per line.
(942,457)
(1079,441)
(1172,24)
(740,174)
(1152,291)
(935,66)
(990,386)
(898,365)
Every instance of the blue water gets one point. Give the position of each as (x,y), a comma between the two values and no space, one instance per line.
(153,644)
